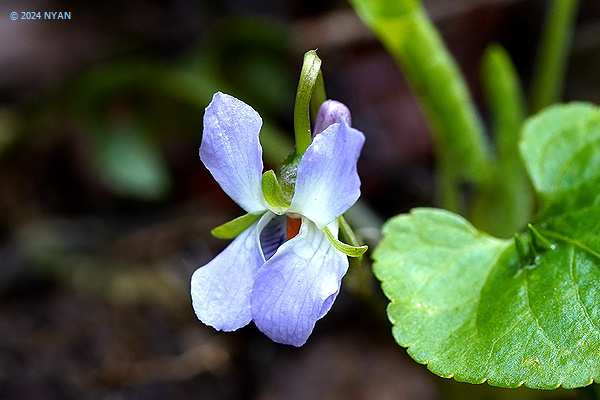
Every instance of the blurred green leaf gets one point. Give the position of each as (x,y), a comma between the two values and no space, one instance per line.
(8,128)
(93,92)
(131,164)
(247,54)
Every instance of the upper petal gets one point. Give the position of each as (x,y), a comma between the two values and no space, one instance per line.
(231,150)
(327,182)
(221,289)
(297,286)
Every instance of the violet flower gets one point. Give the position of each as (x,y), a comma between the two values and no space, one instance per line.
(281,280)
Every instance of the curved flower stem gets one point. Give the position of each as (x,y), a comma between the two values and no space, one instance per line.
(347,249)
(346,232)
(308,78)
(551,62)
(318,96)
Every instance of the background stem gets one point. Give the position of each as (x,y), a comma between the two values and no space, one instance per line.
(461,149)
(552,59)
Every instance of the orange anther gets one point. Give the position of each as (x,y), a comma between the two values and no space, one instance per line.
(292,226)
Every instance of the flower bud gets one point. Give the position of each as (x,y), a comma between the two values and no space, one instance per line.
(331,112)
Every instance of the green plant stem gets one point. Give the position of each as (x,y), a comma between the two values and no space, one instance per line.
(505,98)
(551,62)
(408,33)
(308,77)
(318,96)
(509,192)
(449,187)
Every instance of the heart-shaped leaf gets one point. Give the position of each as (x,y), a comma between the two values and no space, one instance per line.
(561,147)
(463,304)
(469,306)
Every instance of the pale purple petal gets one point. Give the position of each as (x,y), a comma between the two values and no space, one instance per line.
(334,229)
(231,151)
(331,112)
(221,289)
(297,286)
(327,183)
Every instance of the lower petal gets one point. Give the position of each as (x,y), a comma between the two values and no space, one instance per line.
(297,286)
(221,289)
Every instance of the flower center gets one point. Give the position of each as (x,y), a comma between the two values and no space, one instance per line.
(292,226)
(287,176)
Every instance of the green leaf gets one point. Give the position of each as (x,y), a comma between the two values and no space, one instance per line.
(131,164)
(561,148)
(349,250)
(516,311)
(272,191)
(463,304)
(193,85)
(231,229)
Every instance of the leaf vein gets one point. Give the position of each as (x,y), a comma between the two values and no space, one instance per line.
(558,177)
(510,329)
(531,370)
(493,262)
(476,301)
(534,317)
(578,297)
(571,241)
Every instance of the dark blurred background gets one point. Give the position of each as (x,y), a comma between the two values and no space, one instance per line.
(106,209)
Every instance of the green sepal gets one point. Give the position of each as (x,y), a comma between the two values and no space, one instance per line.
(272,191)
(318,96)
(350,251)
(522,250)
(539,242)
(231,229)
(348,235)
